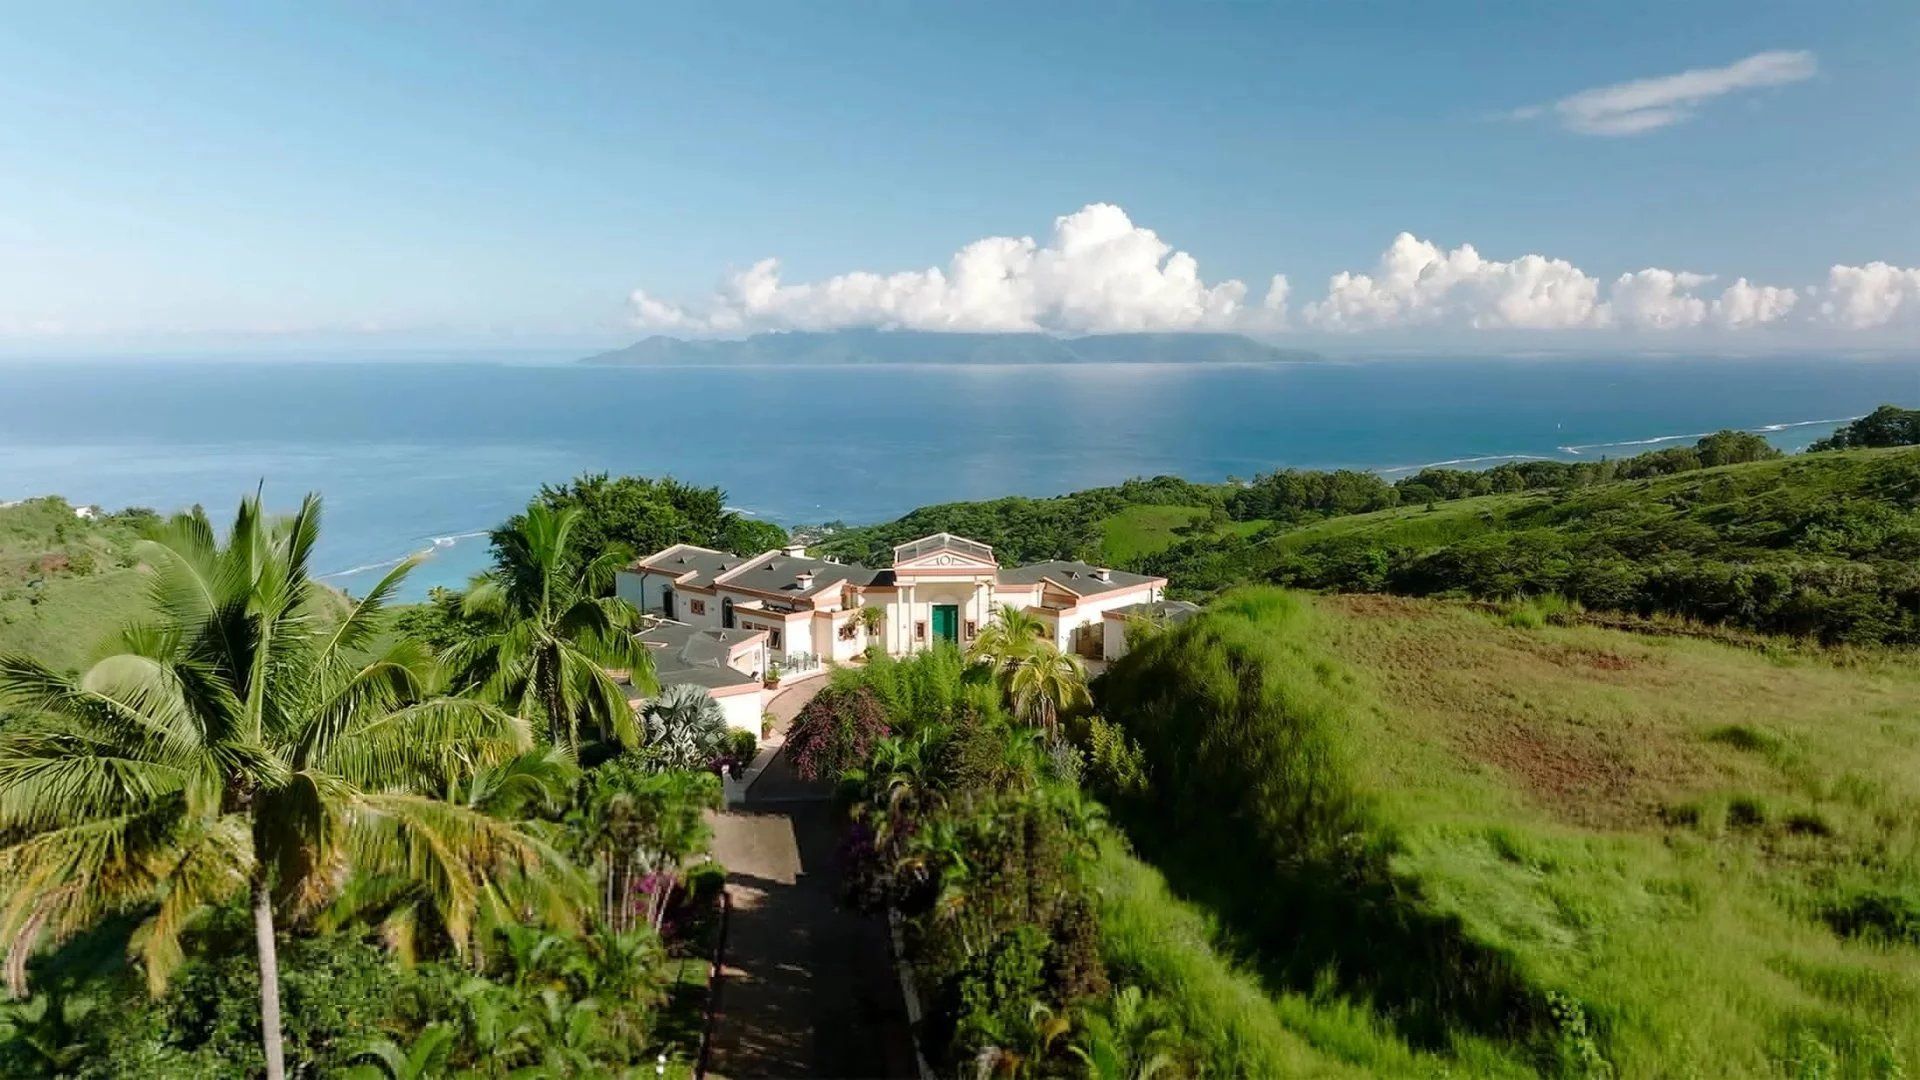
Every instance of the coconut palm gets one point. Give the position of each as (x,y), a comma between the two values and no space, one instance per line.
(1046,682)
(408,916)
(547,636)
(247,743)
(1010,635)
(685,728)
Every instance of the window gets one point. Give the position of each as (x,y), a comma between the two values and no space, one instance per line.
(970,628)
(773,638)
(698,607)
(847,628)
(920,631)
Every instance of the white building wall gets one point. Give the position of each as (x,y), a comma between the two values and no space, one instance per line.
(1113,645)
(742,711)
(1090,612)
(627,585)
(648,593)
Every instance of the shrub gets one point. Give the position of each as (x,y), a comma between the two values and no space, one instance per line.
(741,746)
(835,732)
(988,999)
(1746,812)
(1116,768)
(1748,737)
(1877,914)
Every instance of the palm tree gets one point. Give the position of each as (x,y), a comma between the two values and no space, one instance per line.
(1010,635)
(1045,683)
(529,789)
(245,744)
(549,637)
(685,728)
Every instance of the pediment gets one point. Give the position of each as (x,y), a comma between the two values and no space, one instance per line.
(946,560)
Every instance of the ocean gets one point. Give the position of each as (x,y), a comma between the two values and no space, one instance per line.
(413,455)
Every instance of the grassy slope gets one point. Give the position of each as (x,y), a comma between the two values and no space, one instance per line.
(1139,531)
(1566,792)
(65,583)
(1720,499)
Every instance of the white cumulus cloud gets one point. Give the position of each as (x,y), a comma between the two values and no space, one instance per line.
(1642,105)
(1743,304)
(1098,272)
(1863,297)
(1418,284)
(1655,299)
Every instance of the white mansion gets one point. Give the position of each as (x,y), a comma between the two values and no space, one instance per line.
(941,587)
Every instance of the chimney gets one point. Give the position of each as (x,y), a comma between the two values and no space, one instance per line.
(1103,574)
(805,578)
(794,551)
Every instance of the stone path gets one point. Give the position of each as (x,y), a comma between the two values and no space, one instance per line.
(810,988)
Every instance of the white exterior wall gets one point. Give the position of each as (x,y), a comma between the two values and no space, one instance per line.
(1090,612)
(683,609)
(742,711)
(750,661)
(796,634)
(827,643)
(974,602)
(1113,645)
(647,591)
(627,585)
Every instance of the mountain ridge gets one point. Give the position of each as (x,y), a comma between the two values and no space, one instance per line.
(939,347)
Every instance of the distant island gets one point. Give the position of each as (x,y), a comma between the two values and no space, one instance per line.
(924,347)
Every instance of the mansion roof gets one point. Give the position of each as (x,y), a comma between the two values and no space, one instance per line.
(782,573)
(1076,577)
(688,654)
(778,572)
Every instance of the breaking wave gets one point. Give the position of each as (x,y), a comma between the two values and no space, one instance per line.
(1580,449)
(1763,429)
(434,544)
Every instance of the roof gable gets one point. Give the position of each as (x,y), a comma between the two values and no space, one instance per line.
(943,550)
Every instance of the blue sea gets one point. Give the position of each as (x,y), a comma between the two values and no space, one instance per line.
(417,455)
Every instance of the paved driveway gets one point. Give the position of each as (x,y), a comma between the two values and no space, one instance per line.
(810,989)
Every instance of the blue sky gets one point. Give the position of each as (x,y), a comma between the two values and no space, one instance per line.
(463,174)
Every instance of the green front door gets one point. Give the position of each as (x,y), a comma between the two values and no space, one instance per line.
(946,622)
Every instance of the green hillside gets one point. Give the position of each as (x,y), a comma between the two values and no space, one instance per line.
(1826,545)
(65,581)
(1596,849)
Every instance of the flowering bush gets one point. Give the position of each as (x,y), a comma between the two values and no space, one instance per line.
(835,731)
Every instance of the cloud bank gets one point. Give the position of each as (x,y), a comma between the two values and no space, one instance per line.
(1643,105)
(1099,272)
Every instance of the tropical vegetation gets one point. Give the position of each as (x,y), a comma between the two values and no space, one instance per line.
(268,832)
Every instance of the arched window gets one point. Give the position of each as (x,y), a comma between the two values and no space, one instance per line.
(726,612)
